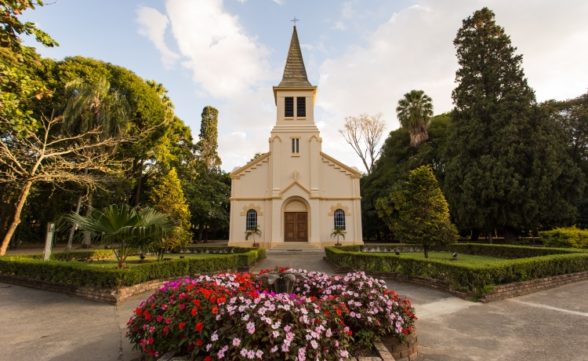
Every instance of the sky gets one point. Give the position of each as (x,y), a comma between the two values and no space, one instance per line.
(363,55)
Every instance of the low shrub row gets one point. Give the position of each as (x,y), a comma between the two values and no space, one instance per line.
(565,237)
(474,280)
(81,274)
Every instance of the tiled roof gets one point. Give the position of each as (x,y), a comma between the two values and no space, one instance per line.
(294,71)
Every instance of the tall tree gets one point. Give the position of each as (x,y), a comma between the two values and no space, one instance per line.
(397,159)
(504,166)
(208,143)
(168,197)
(418,212)
(363,133)
(414,113)
(49,155)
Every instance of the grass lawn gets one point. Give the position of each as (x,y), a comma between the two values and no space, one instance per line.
(462,259)
(134,261)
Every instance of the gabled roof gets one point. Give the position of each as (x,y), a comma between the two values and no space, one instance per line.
(294,71)
(236,173)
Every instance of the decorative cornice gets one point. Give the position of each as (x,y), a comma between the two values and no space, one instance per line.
(237,172)
(353,172)
(339,206)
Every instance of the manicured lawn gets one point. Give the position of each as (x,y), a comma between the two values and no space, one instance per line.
(462,259)
(134,261)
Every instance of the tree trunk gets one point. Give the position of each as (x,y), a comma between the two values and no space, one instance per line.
(24,194)
(139,183)
(87,240)
(426,249)
(74,226)
(475,235)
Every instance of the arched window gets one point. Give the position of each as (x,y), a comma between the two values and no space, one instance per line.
(251,222)
(339,219)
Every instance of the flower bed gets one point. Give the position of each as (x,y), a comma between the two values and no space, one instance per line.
(237,316)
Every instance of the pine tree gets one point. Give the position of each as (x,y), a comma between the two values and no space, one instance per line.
(168,197)
(418,212)
(504,165)
(208,143)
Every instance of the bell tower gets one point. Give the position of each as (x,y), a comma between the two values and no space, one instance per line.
(294,96)
(295,142)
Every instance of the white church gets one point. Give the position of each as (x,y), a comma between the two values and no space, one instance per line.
(295,194)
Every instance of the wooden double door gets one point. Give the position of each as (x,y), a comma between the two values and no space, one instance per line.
(296,227)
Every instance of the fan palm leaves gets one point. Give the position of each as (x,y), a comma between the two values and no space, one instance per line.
(124,227)
(414,113)
(338,233)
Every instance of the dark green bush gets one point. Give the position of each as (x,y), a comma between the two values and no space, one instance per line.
(565,237)
(81,274)
(477,280)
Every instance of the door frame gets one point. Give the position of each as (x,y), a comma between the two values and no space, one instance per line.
(284,210)
(285,226)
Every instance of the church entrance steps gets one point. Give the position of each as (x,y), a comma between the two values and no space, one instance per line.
(295,248)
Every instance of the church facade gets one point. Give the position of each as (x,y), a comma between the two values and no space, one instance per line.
(295,194)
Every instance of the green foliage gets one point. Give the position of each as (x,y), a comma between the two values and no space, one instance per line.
(168,198)
(125,228)
(208,198)
(393,166)
(208,143)
(471,279)
(571,117)
(507,170)
(83,274)
(414,113)
(418,213)
(565,237)
(21,69)
(338,234)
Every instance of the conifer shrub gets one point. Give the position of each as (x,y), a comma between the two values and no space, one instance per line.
(565,237)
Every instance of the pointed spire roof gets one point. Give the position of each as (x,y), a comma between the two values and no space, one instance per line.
(294,71)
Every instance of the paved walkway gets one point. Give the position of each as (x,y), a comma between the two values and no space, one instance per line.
(545,326)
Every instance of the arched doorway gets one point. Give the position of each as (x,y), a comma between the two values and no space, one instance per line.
(296,221)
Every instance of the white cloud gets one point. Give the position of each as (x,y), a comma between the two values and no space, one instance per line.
(230,66)
(414,50)
(153,25)
(223,59)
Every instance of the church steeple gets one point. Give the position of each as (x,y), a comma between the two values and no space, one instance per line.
(294,71)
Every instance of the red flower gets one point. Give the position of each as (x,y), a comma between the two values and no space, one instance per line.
(147,315)
(194,311)
(199,342)
(182,325)
(214,310)
(138,311)
(199,326)
(208,358)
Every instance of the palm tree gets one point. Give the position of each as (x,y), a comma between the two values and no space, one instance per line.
(93,105)
(337,234)
(414,113)
(125,228)
(252,232)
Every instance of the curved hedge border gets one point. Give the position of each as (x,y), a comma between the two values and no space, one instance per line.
(60,271)
(474,281)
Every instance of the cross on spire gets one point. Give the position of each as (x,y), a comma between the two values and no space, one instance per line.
(294,20)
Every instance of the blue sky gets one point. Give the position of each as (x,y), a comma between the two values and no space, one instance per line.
(363,55)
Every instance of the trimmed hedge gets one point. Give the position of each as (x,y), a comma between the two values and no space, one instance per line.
(80,274)
(476,281)
(565,237)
